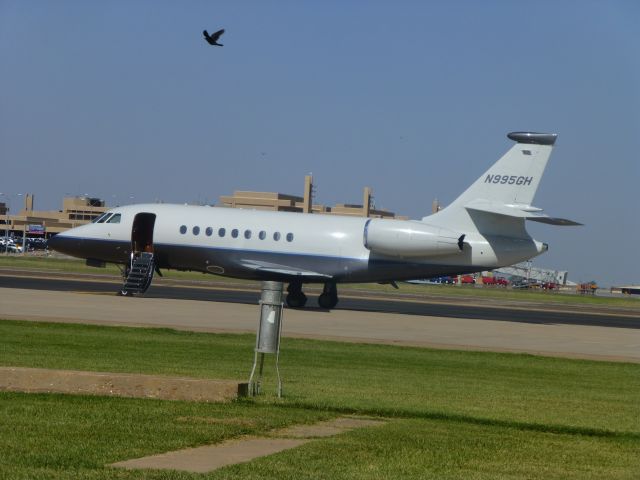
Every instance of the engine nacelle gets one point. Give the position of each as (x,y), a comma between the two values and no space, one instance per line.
(407,238)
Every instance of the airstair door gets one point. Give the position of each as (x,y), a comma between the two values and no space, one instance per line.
(139,273)
(142,233)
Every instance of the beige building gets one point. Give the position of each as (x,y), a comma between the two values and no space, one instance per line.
(77,211)
(292,203)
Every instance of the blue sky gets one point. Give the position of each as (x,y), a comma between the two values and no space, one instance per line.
(125,101)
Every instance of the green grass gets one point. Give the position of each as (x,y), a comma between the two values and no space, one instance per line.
(70,265)
(452,414)
(434,449)
(64,436)
(479,293)
(52,263)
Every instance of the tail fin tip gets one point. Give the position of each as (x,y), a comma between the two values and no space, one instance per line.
(533,138)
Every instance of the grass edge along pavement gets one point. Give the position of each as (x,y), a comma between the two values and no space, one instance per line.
(71,265)
(453,414)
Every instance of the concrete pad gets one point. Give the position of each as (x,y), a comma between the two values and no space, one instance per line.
(211,457)
(329,428)
(41,380)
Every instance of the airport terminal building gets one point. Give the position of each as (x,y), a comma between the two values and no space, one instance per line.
(79,210)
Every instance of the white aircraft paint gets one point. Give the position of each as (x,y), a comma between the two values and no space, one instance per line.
(484,228)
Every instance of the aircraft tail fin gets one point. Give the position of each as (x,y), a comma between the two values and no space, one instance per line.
(514,178)
(500,200)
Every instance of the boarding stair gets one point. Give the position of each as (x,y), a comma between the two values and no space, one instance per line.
(140,274)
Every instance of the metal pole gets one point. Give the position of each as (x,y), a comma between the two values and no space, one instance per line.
(24,227)
(6,224)
(24,237)
(6,233)
(279,390)
(268,334)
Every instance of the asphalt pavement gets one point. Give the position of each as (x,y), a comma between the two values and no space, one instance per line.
(349,301)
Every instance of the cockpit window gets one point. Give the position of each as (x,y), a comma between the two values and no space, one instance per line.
(115,218)
(101,218)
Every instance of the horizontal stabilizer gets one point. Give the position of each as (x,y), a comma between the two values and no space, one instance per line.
(563,222)
(526,212)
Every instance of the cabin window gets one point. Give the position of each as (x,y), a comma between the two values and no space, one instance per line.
(196,230)
(276,236)
(262,235)
(101,218)
(247,234)
(289,237)
(209,231)
(222,232)
(234,233)
(183,229)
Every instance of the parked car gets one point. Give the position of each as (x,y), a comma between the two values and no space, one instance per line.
(443,279)
(11,248)
(524,283)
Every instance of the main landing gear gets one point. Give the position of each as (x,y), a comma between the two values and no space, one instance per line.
(329,297)
(297,299)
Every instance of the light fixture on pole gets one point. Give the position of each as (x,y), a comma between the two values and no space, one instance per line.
(24,226)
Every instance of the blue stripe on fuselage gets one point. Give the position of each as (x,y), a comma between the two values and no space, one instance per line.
(233,261)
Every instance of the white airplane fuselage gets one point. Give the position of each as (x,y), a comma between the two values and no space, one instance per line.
(484,228)
(266,245)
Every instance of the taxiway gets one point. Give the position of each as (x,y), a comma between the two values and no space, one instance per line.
(553,332)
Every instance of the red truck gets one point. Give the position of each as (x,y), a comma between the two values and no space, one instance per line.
(497,281)
(465,279)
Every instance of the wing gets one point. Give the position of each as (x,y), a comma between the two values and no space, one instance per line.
(283,270)
(217,35)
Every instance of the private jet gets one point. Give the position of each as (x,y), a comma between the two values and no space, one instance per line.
(483,229)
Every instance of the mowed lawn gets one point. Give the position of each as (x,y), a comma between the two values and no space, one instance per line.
(451,414)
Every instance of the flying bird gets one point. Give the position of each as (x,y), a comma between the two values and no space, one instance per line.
(213,38)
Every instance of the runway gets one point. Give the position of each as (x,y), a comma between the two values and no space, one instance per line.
(554,332)
(354,301)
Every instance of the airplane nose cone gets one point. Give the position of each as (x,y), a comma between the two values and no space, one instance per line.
(61,243)
(54,242)
(51,243)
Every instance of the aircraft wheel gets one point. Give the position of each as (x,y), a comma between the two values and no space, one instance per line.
(327,301)
(296,300)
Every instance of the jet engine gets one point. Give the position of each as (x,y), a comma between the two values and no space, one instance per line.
(407,238)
